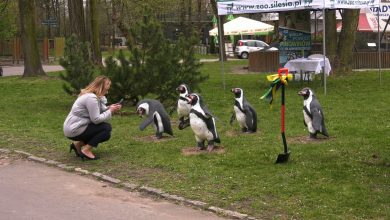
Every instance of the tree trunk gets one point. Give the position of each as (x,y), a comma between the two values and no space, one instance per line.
(32,60)
(88,20)
(76,18)
(331,35)
(97,56)
(222,20)
(299,20)
(346,43)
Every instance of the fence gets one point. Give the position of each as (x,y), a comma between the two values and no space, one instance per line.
(268,61)
(200,50)
(49,48)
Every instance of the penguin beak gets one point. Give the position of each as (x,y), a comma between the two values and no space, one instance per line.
(189,100)
(140,112)
(302,93)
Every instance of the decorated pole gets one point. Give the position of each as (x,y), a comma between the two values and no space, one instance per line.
(283,157)
(279,80)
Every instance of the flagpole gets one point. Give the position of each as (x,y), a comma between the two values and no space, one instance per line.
(324,45)
(379,49)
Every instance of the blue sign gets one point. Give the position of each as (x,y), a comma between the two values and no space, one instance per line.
(293,44)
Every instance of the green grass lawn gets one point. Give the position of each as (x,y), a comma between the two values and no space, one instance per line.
(344,177)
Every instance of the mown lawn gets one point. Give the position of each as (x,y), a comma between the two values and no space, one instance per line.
(343,177)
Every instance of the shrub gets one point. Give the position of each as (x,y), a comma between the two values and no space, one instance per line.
(154,67)
(79,70)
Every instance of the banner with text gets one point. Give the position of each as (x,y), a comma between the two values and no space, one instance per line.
(383,10)
(257,6)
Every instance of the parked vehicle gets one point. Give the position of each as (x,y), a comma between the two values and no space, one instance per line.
(244,47)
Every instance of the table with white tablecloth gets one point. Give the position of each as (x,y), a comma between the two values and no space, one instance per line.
(305,66)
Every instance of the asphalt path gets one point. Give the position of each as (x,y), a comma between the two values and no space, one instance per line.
(30,190)
(18,70)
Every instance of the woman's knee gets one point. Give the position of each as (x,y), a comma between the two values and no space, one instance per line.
(107,127)
(107,130)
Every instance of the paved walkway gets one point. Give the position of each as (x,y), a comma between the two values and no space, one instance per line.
(18,70)
(31,190)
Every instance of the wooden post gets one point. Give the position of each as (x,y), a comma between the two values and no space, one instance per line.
(45,49)
(16,53)
(59,44)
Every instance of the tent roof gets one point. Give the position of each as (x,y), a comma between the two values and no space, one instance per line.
(244,26)
(368,22)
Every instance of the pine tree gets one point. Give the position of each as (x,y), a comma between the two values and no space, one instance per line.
(155,66)
(77,64)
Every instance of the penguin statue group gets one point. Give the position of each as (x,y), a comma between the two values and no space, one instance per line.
(193,112)
(183,107)
(202,123)
(313,116)
(156,114)
(244,112)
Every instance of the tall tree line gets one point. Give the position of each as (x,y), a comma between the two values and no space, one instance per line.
(73,17)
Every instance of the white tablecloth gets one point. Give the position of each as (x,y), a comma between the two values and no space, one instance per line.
(308,64)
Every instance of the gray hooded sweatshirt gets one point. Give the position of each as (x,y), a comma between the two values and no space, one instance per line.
(87,109)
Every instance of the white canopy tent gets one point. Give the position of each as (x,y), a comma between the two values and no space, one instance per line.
(244,26)
(265,6)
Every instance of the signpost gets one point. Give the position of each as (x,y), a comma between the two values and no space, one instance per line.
(51,22)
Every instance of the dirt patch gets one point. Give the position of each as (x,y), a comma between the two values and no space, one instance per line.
(306,140)
(7,159)
(188,151)
(235,133)
(153,138)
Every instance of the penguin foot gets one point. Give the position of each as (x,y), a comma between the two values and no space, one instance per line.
(313,136)
(210,148)
(159,135)
(244,130)
(200,146)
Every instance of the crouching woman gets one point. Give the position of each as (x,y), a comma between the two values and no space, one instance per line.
(87,123)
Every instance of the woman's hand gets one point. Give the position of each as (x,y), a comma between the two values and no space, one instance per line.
(115,107)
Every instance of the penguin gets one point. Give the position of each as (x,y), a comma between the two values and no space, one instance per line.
(202,123)
(183,108)
(244,112)
(313,114)
(157,114)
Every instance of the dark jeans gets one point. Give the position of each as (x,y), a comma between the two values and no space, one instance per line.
(94,134)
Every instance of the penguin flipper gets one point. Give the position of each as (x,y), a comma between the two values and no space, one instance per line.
(145,123)
(317,119)
(232,118)
(251,119)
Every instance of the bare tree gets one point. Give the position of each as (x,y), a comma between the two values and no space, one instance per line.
(32,61)
(76,19)
(346,41)
(222,31)
(97,56)
(331,35)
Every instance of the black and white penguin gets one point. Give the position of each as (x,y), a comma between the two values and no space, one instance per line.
(243,112)
(313,114)
(156,114)
(183,107)
(202,123)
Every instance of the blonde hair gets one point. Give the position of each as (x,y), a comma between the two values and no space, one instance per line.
(99,86)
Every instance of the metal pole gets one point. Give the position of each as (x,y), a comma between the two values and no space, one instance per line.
(379,49)
(221,52)
(324,45)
